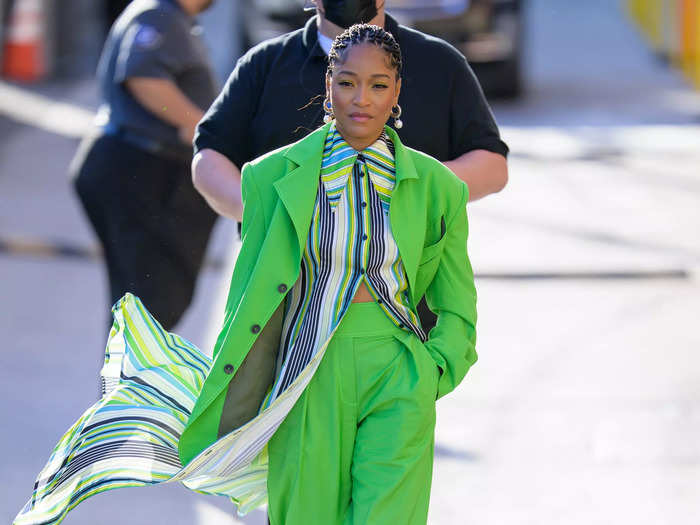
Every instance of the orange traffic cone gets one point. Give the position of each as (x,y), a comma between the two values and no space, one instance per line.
(24,54)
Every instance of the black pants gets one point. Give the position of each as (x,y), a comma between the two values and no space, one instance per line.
(152,223)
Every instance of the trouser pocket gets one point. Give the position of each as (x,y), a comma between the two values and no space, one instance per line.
(428,370)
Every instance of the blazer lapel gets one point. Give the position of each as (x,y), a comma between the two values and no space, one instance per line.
(297,193)
(407,210)
(297,189)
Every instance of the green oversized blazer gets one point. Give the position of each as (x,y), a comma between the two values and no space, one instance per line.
(429,222)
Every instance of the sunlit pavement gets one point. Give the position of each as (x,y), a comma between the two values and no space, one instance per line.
(584,406)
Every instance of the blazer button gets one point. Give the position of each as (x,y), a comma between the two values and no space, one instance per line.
(255,328)
(282,288)
(228,369)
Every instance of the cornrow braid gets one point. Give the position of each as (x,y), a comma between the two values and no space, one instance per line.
(360,34)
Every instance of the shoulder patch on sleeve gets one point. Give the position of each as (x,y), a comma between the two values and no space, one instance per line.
(148,37)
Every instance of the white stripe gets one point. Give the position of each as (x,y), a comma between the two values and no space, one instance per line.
(64,119)
(27,21)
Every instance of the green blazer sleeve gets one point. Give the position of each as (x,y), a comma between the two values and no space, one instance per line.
(452,296)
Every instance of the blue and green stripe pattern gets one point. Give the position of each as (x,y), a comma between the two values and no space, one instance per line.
(129,438)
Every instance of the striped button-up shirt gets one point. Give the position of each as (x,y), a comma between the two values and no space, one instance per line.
(350,242)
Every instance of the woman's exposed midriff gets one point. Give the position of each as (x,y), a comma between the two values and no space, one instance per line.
(362,294)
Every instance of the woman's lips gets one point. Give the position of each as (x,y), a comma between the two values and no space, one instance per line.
(360,117)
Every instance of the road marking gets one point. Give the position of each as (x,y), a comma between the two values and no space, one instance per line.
(41,248)
(42,112)
(46,249)
(571,142)
(49,250)
(671,273)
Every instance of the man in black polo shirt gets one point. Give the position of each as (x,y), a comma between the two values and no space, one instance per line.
(274,97)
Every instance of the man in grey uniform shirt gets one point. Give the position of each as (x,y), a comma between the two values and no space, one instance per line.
(132,174)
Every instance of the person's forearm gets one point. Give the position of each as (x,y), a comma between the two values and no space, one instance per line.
(484,172)
(219,181)
(165,100)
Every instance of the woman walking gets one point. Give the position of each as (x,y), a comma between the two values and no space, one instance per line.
(321,394)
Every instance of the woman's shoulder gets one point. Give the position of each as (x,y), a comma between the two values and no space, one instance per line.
(277,161)
(434,174)
(270,159)
(446,192)
(268,168)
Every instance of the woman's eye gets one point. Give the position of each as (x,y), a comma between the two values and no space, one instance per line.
(381,86)
(344,83)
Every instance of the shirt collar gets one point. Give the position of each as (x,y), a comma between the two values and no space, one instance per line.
(339,158)
(309,38)
(325,42)
(310,34)
(391,25)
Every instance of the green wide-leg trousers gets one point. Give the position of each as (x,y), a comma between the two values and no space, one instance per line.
(357,448)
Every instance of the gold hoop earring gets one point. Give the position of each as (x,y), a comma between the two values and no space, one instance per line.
(396,114)
(328,110)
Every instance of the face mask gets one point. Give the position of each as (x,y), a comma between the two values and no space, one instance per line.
(345,13)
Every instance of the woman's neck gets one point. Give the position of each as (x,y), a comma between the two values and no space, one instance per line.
(359,146)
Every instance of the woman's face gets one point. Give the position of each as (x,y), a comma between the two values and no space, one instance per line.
(362,91)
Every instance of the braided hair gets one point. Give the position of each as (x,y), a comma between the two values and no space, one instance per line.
(361,34)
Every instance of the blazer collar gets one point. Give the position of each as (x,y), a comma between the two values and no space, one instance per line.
(407,211)
(297,189)
(405,169)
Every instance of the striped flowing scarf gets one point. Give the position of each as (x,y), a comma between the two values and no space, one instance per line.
(129,438)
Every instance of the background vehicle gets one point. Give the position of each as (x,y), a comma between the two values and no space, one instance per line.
(488,32)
